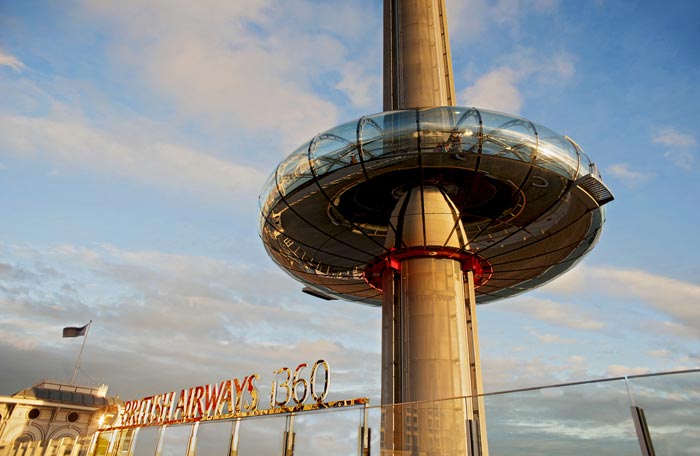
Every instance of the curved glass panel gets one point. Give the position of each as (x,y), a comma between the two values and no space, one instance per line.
(264,199)
(468,127)
(329,152)
(400,132)
(556,153)
(370,136)
(436,130)
(508,136)
(294,170)
(587,166)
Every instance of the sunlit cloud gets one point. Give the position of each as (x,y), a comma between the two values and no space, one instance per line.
(147,305)
(243,66)
(629,177)
(77,145)
(496,90)
(669,136)
(11,61)
(554,339)
(661,353)
(499,89)
(680,146)
(552,312)
(678,300)
(469,19)
(618,370)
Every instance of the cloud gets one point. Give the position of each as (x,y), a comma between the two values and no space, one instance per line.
(618,370)
(161,164)
(499,89)
(553,313)
(554,339)
(662,353)
(629,177)
(683,159)
(680,146)
(496,90)
(361,89)
(244,66)
(676,299)
(669,136)
(474,19)
(11,61)
(160,317)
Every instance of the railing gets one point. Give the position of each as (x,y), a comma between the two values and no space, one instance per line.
(640,414)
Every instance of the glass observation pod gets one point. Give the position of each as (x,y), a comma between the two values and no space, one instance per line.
(530,200)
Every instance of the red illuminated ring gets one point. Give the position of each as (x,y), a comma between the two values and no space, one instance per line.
(481,267)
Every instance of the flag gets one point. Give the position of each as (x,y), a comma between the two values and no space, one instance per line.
(74,331)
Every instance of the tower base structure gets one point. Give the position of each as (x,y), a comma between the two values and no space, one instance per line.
(430,352)
(410,204)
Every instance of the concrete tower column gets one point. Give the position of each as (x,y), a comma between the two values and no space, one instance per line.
(417,59)
(430,346)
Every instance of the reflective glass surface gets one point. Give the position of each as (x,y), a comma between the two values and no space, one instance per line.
(326,209)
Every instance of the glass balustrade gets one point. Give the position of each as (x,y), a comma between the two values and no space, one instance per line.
(582,418)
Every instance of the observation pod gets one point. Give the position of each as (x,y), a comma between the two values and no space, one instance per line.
(517,203)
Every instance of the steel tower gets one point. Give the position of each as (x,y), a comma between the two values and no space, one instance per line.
(428,209)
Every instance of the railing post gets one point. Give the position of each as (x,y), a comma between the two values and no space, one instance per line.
(364,437)
(643,435)
(233,444)
(640,424)
(112,439)
(161,437)
(192,444)
(288,443)
(93,444)
(132,441)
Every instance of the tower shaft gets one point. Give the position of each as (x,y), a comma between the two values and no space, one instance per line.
(417,59)
(430,346)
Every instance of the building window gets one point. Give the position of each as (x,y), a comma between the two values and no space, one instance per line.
(34,414)
(73,417)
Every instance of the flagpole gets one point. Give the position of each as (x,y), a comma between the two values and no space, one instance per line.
(77,361)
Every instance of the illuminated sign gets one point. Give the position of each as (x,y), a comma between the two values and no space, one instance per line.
(235,398)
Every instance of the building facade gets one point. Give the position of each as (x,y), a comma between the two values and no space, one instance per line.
(52,410)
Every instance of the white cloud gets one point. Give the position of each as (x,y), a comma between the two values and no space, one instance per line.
(628,176)
(554,339)
(661,353)
(360,88)
(499,89)
(159,317)
(683,159)
(669,136)
(11,61)
(680,146)
(553,313)
(70,143)
(241,65)
(474,19)
(618,370)
(677,299)
(496,90)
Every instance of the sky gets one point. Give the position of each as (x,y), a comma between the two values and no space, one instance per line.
(135,137)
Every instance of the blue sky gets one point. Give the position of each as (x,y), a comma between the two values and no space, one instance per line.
(135,137)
